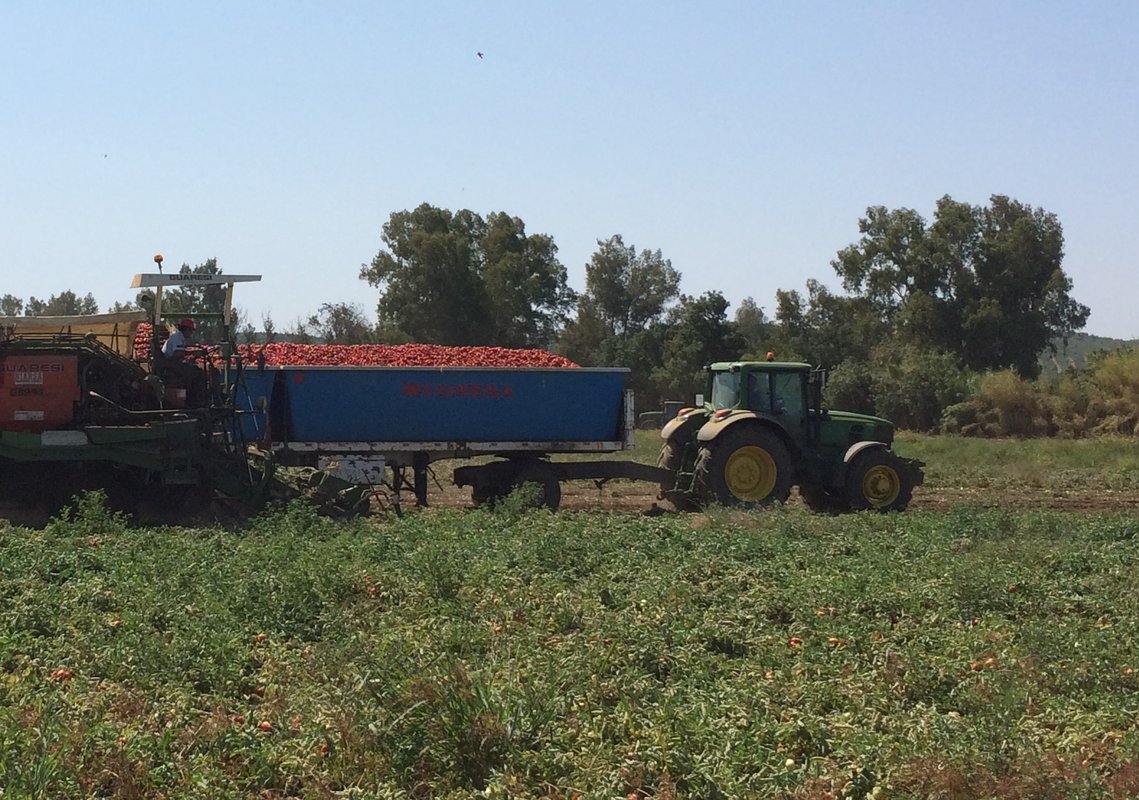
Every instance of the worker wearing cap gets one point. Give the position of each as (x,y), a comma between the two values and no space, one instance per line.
(175,347)
(177,365)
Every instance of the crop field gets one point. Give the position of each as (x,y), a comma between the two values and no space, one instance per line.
(983,644)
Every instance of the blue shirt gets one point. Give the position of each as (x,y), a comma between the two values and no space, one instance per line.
(175,345)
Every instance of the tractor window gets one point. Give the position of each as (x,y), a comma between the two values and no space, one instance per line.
(759,392)
(788,393)
(775,392)
(725,390)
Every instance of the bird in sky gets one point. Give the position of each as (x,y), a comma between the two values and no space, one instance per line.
(479,54)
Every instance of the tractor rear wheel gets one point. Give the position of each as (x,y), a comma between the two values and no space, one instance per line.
(877,479)
(745,466)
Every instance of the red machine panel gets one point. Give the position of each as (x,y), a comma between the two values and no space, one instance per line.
(37,392)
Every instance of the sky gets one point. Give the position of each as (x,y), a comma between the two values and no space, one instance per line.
(744,140)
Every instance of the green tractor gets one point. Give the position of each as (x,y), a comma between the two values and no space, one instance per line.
(765,430)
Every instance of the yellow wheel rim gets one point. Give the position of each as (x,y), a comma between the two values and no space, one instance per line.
(881,485)
(750,473)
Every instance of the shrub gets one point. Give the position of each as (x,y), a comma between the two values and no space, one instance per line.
(912,386)
(1004,405)
(849,387)
(1115,378)
(906,384)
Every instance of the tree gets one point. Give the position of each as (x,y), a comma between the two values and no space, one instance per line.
(581,340)
(629,289)
(626,292)
(11,306)
(984,283)
(455,278)
(64,304)
(826,328)
(757,330)
(699,334)
(341,323)
(191,300)
(527,285)
(621,316)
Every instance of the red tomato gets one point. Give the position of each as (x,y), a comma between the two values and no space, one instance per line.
(378,355)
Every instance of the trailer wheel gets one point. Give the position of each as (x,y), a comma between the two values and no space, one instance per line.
(672,458)
(487,494)
(877,479)
(547,480)
(745,466)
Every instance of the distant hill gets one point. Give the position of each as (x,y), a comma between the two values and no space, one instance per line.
(1075,353)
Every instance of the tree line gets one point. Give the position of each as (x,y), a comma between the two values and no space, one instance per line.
(927,305)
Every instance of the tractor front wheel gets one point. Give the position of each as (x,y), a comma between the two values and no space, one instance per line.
(746,466)
(877,479)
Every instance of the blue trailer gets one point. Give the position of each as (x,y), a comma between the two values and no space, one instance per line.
(364,420)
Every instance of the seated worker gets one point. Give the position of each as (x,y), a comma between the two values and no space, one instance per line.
(178,366)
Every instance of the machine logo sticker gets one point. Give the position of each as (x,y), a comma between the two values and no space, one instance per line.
(489,390)
(28,378)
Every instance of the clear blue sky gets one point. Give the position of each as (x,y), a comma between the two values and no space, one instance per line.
(742,139)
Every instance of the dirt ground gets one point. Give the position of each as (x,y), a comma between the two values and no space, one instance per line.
(639,497)
(636,497)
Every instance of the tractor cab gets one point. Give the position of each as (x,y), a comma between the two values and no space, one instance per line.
(769,388)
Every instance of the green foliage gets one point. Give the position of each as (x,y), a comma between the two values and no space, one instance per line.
(444,654)
(699,334)
(630,289)
(1077,352)
(622,317)
(11,306)
(757,330)
(984,283)
(341,323)
(911,386)
(1046,467)
(1005,405)
(64,304)
(527,283)
(192,300)
(827,329)
(850,387)
(1102,400)
(908,385)
(456,279)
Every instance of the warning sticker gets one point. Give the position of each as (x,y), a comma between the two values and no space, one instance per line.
(29,416)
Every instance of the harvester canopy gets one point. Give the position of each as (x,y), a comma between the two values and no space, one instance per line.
(115,330)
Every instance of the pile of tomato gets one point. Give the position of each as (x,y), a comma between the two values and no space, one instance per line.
(379,355)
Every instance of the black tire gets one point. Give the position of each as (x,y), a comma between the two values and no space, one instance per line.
(672,458)
(547,479)
(748,466)
(878,480)
(823,500)
(488,494)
